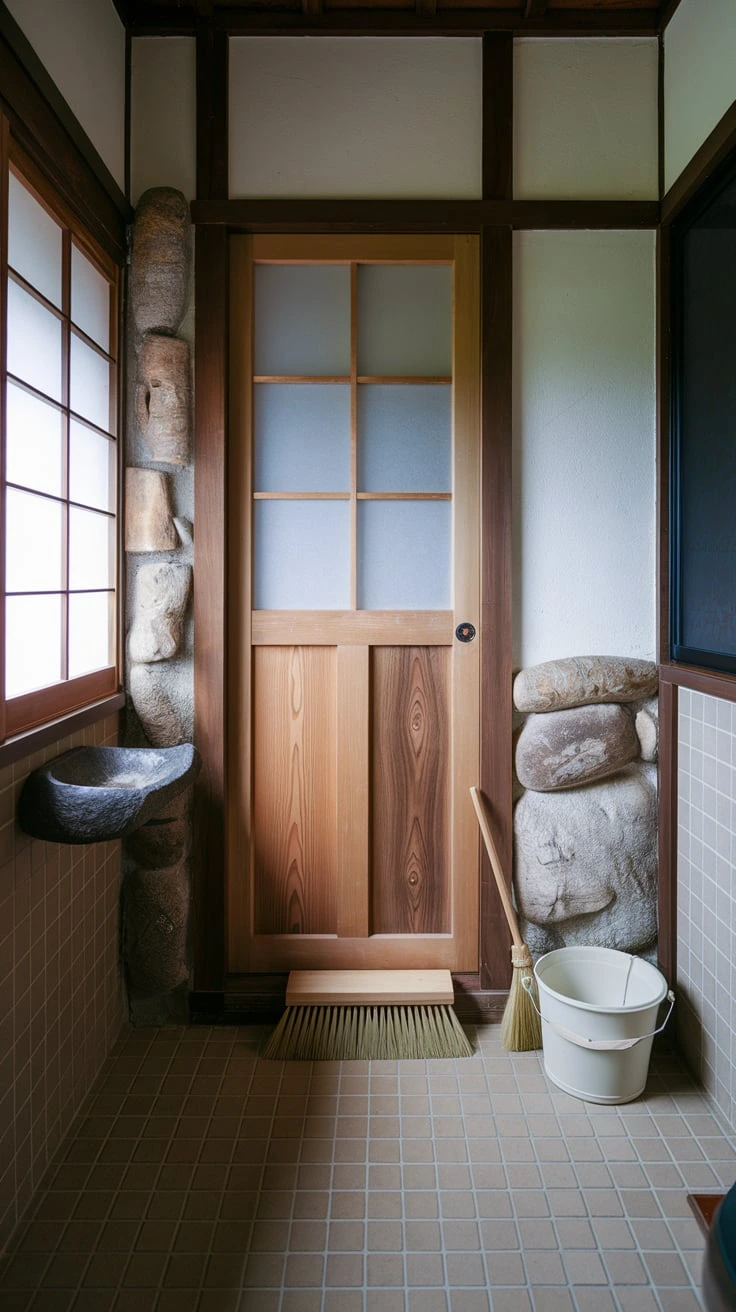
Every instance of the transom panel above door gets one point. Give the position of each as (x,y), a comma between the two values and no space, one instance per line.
(354,556)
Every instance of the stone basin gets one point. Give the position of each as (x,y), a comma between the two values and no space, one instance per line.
(94,794)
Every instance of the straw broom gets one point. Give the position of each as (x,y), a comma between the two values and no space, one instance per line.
(521,1028)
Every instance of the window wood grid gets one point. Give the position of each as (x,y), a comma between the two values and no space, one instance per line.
(24,708)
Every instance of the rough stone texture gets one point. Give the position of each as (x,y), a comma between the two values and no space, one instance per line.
(160,600)
(163,700)
(165,841)
(160,261)
(583,681)
(185,530)
(647,729)
(565,749)
(148,522)
(163,398)
(586,863)
(156,910)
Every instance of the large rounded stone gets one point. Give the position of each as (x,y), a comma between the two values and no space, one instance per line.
(156,911)
(160,261)
(163,398)
(586,861)
(583,681)
(160,597)
(148,520)
(565,749)
(647,728)
(164,701)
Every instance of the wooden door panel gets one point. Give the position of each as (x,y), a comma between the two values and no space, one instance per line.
(295,805)
(410,700)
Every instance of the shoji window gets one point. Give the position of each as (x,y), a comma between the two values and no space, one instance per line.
(59,459)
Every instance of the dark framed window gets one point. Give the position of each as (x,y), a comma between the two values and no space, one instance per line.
(59,379)
(703,437)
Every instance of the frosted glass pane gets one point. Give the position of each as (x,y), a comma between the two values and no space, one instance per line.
(91,556)
(404,438)
(89,387)
(90,300)
(405,319)
(302,319)
(90,632)
(32,643)
(33,543)
(404,555)
(34,342)
(91,468)
(302,555)
(34,447)
(302,437)
(34,242)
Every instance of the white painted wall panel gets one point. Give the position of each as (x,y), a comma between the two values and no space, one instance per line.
(699,77)
(585,119)
(82,45)
(584,445)
(379,117)
(163,115)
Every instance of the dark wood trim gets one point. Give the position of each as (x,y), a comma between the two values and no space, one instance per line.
(151,19)
(713,151)
(664,335)
(212,113)
(15,749)
(4,166)
(498,116)
(41,121)
(422,215)
(128,108)
(698,680)
(660,117)
(668,736)
(496,584)
(666,12)
(210,718)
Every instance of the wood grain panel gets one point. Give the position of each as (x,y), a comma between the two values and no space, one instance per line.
(410,708)
(294,814)
(353,780)
(331,628)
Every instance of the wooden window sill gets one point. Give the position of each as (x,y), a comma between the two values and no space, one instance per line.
(24,744)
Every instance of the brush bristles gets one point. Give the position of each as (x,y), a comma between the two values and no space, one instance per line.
(521,1027)
(367,1034)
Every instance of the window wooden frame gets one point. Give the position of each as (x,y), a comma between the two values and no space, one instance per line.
(25,712)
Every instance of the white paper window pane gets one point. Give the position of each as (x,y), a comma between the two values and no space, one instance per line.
(34,442)
(89,388)
(91,468)
(404,555)
(34,342)
(91,554)
(90,300)
(33,543)
(404,438)
(302,319)
(302,437)
(34,242)
(405,320)
(90,632)
(302,555)
(32,643)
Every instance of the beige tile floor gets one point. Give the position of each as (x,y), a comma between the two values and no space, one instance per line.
(200,1178)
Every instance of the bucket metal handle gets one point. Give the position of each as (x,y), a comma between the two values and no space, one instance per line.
(595,1045)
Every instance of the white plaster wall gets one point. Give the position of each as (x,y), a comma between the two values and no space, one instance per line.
(381,117)
(699,77)
(163,123)
(82,46)
(584,445)
(585,119)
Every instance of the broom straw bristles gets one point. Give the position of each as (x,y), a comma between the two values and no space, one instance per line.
(521,1027)
(367,1033)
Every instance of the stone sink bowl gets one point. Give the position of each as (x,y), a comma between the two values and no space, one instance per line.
(93,794)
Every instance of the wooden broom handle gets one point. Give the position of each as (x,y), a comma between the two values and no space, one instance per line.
(481,810)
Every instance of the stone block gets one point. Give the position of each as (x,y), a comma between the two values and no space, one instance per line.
(583,681)
(564,749)
(163,700)
(160,596)
(160,261)
(149,525)
(163,398)
(155,918)
(647,729)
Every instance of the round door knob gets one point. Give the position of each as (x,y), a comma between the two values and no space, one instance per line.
(465,632)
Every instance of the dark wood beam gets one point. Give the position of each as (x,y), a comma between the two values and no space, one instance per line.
(422,215)
(713,151)
(212,113)
(535,8)
(498,115)
(667,789)
(666,11)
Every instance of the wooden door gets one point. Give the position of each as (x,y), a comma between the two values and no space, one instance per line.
(354,487)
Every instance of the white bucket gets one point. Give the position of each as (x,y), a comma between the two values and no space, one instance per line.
(599,1015)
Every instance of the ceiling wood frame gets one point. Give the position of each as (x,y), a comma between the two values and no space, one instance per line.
(423,215)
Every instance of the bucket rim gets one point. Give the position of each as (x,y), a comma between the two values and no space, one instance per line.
(600,1008)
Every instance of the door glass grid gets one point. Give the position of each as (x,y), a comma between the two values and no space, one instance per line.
(378,443)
